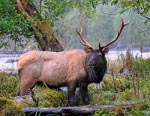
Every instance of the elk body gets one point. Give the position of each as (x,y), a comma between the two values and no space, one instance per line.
(73,68)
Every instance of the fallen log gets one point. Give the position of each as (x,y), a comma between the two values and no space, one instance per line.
(67,111)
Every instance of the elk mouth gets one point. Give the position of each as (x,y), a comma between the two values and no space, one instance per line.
(90,66)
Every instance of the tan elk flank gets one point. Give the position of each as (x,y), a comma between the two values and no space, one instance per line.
(72,68)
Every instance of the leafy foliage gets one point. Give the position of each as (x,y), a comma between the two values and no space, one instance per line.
(140,66)
(16,30)
(142,7)
(104,112)
(13,25)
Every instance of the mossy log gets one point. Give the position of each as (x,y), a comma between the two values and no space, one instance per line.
(67,111)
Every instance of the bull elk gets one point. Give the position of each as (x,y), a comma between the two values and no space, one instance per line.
(72,68)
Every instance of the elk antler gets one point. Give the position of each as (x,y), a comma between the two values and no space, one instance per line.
(83,41)
(117,36)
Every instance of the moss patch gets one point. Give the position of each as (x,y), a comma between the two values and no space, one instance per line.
(10,108)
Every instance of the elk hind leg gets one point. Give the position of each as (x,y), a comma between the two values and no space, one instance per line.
(26,83)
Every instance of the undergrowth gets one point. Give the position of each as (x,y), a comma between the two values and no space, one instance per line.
(115,89)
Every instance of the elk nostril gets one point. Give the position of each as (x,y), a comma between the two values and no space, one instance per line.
(90,63)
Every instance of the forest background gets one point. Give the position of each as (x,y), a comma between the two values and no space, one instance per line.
(61,19)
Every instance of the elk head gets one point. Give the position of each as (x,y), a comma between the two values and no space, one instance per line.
(97,64)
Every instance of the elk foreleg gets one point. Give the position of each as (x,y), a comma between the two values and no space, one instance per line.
(71,94)
(84,94)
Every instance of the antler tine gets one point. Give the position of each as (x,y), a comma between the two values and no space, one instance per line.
(84,42)
(100,47)
(117,36)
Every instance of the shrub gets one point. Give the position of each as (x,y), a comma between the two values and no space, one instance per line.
(9,86)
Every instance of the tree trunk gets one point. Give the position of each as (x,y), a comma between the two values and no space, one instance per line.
(43,30)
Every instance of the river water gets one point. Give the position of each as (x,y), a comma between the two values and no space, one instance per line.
(112,55)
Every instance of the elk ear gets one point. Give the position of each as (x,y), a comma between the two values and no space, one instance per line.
(105,50)
(87,50)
